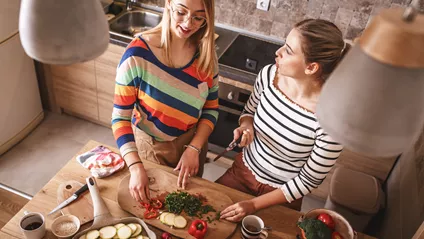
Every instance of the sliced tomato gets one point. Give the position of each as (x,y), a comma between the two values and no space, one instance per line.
(327,220)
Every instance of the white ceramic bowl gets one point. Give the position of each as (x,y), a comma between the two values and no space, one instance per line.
(65,218)
(341,224)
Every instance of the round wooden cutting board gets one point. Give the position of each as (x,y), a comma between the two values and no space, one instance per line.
(162,182)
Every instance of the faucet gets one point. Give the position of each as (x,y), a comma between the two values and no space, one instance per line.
(129,4)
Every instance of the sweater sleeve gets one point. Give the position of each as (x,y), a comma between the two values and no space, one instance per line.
(210,113)
(261,81)
(322,158)
(123,104)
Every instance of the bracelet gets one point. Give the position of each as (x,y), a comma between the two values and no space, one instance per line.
(134,163)
(193,147)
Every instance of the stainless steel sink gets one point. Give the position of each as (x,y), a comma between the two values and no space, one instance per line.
(133,22)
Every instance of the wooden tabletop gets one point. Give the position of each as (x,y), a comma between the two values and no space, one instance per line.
(281,219)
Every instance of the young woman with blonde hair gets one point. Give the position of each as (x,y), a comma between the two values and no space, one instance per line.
(166,99)
(287,153)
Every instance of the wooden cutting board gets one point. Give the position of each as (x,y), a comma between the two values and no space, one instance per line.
(82,207)
(162,182)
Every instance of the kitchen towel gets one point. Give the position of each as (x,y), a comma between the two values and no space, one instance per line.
(101,161)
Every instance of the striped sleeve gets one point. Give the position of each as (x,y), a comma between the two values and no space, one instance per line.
(322,158)
(123,104)
(210,113)
(261,81)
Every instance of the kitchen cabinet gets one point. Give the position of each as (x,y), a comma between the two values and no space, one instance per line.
(105,67)
(86,89)
(74,89)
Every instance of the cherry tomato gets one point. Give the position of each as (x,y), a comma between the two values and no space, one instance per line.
(327,220)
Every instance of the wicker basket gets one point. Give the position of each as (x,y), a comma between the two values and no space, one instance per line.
(342,225)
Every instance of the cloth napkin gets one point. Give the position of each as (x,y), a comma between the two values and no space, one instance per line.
(101,161)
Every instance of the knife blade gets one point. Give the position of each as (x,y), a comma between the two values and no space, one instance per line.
(72,198)
(230,147)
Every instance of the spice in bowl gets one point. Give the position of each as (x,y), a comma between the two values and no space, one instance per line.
(65,226)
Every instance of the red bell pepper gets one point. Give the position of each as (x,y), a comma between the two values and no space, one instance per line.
(145,205)
(156,204)
(149,214)
(198,229)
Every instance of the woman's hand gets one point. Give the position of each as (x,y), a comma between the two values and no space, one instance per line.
(246,132)
(238,211)
(188,166)
(139,183)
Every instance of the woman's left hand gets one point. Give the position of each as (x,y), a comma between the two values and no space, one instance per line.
(188,166)
(238,211)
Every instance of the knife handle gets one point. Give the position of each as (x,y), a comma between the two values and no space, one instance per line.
(235,143)
(81,190)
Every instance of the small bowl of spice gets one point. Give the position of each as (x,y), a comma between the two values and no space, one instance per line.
(65,226)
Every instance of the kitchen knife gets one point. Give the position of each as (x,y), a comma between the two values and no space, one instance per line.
(70,199)
(229,148)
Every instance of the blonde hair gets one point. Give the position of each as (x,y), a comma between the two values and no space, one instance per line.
(322,42)
(203,38)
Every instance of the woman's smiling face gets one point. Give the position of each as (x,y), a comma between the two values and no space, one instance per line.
(187,17)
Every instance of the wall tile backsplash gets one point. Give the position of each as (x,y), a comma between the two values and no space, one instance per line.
(351,16)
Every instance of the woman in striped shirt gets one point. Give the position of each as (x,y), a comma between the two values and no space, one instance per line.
(287,153)
(166,100)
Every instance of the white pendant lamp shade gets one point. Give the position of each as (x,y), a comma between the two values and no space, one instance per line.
(63,31)
(373,103)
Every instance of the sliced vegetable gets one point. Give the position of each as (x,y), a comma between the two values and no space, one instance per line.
(119,225)
(198,229)
(138,230)
(156,204)
(107,232)
(162,217)
(169,219)
(83,237)
(93,234)
(124,232)
(180,222)
(149,214)
(133,227)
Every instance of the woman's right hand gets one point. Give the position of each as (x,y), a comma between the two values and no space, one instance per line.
(139,183)
(246,132)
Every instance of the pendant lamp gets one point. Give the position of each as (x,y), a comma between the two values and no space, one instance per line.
(63,31)
(373,102)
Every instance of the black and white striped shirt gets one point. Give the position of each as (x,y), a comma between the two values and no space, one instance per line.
(290,150)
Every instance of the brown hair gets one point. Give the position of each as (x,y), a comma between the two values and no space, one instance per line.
(322,42)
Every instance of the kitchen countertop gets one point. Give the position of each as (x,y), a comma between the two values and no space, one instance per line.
(281,219)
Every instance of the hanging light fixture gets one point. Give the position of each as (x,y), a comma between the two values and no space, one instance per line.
(373,103)
(63,32)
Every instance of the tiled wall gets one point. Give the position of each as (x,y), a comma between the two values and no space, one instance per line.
(351,16)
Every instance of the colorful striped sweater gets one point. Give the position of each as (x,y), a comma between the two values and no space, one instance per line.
(162,101)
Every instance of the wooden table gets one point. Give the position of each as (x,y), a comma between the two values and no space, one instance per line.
(281,219)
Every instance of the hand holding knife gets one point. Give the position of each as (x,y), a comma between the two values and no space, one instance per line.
(70,199)
(230,147)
